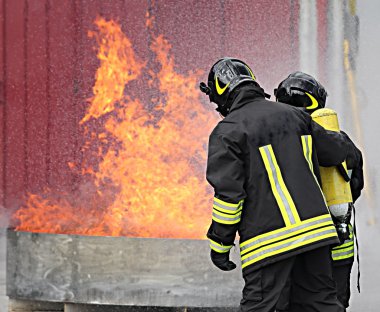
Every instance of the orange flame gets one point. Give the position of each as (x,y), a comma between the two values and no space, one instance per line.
(118,67)
(150,180)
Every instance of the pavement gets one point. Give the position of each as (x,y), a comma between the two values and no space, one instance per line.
(3,297)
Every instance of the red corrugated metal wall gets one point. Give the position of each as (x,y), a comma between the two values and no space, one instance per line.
(48,65)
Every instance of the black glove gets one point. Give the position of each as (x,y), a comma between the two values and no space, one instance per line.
(341,225)
(343,232)
(222,260)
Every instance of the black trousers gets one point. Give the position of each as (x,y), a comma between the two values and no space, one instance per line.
(312,286)
(342,276)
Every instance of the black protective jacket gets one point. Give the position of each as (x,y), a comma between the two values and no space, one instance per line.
(354,163)
(263,165)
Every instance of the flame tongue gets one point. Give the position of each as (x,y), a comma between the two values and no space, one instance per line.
(118,67)
(149,181)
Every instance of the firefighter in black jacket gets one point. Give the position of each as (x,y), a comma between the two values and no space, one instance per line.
(304,91)
(263,165)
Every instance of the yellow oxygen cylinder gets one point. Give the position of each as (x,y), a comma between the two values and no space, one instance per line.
(336,190)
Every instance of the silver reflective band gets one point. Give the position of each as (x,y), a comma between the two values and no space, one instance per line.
(232,209)
(286,245)
(345,245)
(219,248)
(343,255)
(280,235)
(232,218)
(225,212)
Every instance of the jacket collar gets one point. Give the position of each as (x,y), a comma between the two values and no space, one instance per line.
(246,94)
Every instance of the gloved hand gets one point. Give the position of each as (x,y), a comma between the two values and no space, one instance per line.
(341,224)
(343,232)
(222,260)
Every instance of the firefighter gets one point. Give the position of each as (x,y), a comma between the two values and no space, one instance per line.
(304,91)
(263,163)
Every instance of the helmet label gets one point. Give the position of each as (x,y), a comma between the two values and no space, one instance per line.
(314,102)
(218,88)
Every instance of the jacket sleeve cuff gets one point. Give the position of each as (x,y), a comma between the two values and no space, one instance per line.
(219,248)
(226,213)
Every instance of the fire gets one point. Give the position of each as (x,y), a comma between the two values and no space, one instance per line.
(151,151)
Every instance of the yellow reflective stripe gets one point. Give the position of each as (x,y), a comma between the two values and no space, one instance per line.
(309,140)
(218,247)
(284,188)
(307,150)
(224,221)
(350,248)
(288,234)
(344,256)
(288,241)
(343,246)
(345,250)
(279,189)
(343,253)
(227,207)
(226,213)
(287,245)
(307,146)
(347,242)
(277,235)
(226,217)
(324,218)
(273,186)
(228,204)
(218,208)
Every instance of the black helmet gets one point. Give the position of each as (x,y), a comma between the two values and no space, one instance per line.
(301,90)
(225,75)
